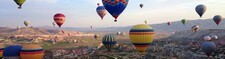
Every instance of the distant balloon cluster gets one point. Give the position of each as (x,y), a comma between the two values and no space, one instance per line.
(141,35)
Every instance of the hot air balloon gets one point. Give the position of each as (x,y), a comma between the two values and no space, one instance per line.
(101,11)
(141,5)
(26,23)
(200,9)
(217,19)
(59,19)
(96,36)
(109,41)
(18,27)
(184,21)
(91,27)
(207,38)
(208,47)
(141,36)
(12,52)
(195,28)
(115,7)
(1,50)
(33,51)
(146,22)
(118,33)
(213,37)
(53,23)
(19,3)
(169,23)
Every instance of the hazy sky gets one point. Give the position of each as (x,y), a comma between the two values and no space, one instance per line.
(82,13)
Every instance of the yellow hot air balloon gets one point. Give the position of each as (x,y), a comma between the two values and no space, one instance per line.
(141,36)
(31,51)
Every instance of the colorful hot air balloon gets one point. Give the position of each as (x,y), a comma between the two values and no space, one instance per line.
(195,28)
(31,51)
(12,52)
(141,5)
(26,23)
(213,37)
(115,7)
(109,41)
(217,19)
(59,19)
(207,38)
(19,3)
(141,36)
(208,47)
(169,23)
(101,11)
(184,21)
(96,36)
(1,50)
(200,9)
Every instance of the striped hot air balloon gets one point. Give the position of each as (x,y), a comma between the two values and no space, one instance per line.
(109,41)
(12,52)
(1,50)
(31,51)
(59,19)
(141,36)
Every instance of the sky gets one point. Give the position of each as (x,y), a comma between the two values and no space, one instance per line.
(82,13)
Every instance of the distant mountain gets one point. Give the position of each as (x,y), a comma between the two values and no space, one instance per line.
(162,27)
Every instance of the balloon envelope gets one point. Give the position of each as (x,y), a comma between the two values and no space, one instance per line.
(200,9)
(141,36)
(109,41)
(184,21)
(214,37)
(207,38)
(217,19)
(11,52)
(141,5)
(19,3)
(101,11)
(195,28)
(169,23)
(96,36)
(208,47)
(26,23)
(115,7)
(33,51)
(1,50)
(59,19)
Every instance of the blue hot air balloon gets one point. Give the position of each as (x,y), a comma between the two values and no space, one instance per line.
(200,9)
(109,41)
(208,47)
(12,52)
(115,7)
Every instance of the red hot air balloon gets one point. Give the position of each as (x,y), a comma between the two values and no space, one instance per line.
(217,19)
(59,19)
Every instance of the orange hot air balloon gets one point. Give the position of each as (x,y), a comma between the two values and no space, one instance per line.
(59,19)
(1,51)
(31,51)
